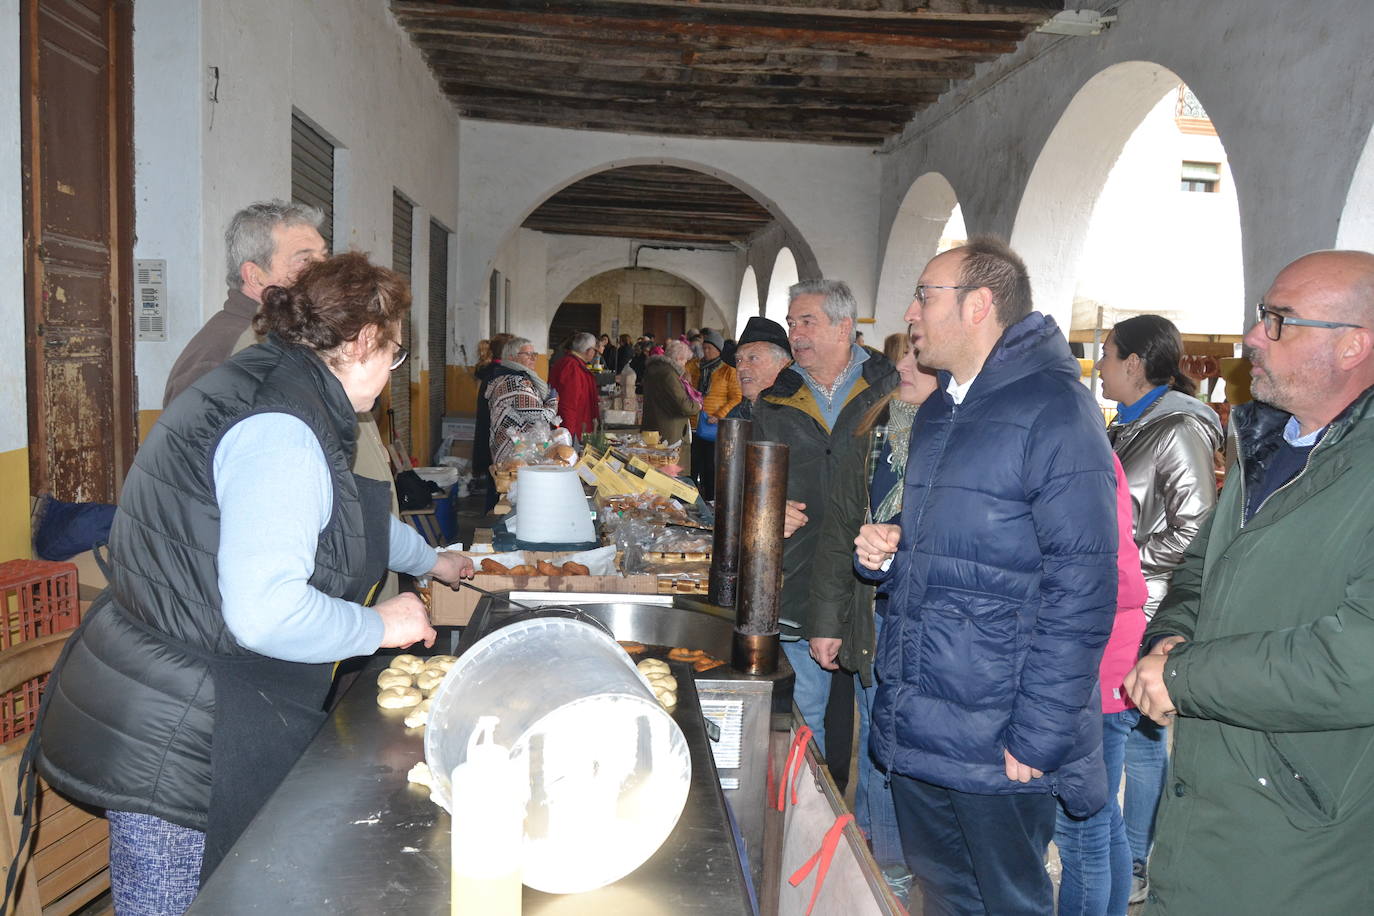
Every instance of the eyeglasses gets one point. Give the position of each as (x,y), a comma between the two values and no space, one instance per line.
(1274,321)
(400,357)
(920,293)
(525,354)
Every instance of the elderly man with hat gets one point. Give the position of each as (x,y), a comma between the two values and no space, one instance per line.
(762,353)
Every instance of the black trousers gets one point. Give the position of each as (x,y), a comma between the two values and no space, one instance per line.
(976,854)
(704,467)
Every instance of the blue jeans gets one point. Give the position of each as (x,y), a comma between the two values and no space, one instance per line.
(1147,767)
(154,864)
(975,855)
(811,690)
(873,807)
(1093,850)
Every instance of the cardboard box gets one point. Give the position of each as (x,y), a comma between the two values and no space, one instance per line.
(450,608)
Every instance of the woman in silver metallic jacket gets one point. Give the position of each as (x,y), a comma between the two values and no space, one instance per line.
(1166,439)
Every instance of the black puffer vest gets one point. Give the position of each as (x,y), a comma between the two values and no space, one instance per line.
(131,715)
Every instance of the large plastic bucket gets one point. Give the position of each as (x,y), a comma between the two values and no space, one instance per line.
(609,768)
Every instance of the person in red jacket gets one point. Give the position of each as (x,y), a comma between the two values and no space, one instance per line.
(575,384)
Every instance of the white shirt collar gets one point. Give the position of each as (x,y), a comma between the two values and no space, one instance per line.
(958,392)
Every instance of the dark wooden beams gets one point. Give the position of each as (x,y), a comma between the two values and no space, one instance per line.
(843,71)
(652,203)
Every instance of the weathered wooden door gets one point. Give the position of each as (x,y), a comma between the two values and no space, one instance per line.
(665,321)
(76,92)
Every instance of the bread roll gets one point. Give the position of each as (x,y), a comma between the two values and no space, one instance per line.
(395,678)
(408,663)
(399,698)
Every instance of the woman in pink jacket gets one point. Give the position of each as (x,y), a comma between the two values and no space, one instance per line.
(1096,858)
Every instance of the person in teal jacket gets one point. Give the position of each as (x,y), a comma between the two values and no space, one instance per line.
(1262,653)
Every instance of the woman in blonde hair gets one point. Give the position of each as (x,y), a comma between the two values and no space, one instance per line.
(896,346)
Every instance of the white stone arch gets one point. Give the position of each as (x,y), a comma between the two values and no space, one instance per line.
(912,241)
(748,303)
(479,247)
(783,275)
(1356,229)
(1056,206)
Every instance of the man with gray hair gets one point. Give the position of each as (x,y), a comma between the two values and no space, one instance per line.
(571,376)
(813,406)
(267,244)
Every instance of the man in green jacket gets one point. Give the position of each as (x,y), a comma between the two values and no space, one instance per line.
(1263,649)
(814,407)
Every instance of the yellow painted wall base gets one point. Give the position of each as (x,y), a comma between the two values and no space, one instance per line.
(15,535)
(461,387)
(460,390)
(146,419)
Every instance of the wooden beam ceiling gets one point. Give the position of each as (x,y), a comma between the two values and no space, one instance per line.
(652,203)
(836,71)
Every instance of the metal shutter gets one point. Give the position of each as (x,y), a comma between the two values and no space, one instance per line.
(312,173)
(438,330)
(402,223)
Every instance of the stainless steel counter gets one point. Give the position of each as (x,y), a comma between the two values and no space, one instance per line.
(345,833)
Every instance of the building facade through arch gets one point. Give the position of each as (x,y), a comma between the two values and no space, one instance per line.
(1294,131)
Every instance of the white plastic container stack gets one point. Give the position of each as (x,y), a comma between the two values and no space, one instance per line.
(551,507)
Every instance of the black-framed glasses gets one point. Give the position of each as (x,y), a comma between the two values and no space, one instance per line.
(400,357)
(920,294)
(1274,321)
(526,354)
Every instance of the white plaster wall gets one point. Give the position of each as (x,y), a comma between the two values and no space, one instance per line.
(169,86)
(913,240)
(1294,121)
(13,397)
(826,194)
(350,69)
(780,280)
(1357,219)
(1152,247)
(748,305)
(524,261)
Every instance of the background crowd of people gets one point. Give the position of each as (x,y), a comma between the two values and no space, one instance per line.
(1017,598)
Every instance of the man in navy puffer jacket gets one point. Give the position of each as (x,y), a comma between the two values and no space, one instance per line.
(1002,588)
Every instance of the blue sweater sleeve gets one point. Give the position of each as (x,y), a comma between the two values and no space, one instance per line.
(410,553)
(274,493)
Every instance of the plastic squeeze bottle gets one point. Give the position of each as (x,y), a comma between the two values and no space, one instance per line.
(490,792)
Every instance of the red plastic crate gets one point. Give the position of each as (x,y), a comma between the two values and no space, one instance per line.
(37,598)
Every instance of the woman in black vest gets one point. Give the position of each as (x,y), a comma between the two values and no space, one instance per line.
(243,557)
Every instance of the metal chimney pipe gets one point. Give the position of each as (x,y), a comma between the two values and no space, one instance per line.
(731,438)
(755,646)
